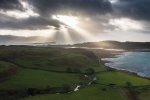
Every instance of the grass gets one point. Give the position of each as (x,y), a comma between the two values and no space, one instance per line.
(143,92)
(36,60)
(94,92)
(5,66)
(99,68)
(57,59)
(60,63)
(145,95)
(28,78)
(120,78)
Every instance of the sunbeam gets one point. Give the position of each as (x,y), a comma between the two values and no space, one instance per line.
(66,34)
(84,33)
(72,23)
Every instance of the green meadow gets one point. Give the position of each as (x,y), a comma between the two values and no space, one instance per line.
(42,67)
(143,92)
(28,78)
(121,78)
(56,59)
(5,66)
(94,92)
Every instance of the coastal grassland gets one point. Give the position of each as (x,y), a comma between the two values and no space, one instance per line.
(59,63)
(28,78)
(143,92)
(48,58)
(41,67)
(100,68)
(94,92)
(5,66)
(121,78)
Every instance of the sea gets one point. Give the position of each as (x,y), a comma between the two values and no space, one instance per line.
(137,62)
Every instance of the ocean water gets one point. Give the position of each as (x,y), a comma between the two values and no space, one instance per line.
(138,62)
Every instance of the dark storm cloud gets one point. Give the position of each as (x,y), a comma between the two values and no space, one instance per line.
(66,6)
(31,23)
(10,4)
(136,9)
(46,8)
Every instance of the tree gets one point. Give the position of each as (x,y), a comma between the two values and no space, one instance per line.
(69,70)
(76,70)
(90,71)
(66,88)
(104,89)
(31,91)
(129,84)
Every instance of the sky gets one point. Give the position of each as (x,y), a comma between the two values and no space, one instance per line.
(74,21)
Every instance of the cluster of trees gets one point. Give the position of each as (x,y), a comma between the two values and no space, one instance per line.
(15,94)
(73,70)
(88,71)
(63,89)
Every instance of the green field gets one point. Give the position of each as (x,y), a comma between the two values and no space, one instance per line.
(121,78)
(143,92)
(28,78)
(94,92)
(42,67)
(5,66)
(57,59)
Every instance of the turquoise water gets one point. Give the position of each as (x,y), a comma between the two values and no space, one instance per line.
(138,62)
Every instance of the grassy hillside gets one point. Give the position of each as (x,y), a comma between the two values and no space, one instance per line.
(57,59)
(143,92)
(5,66)
(25,69)
(95,92)
(103,90)
(27,78)
(121,78)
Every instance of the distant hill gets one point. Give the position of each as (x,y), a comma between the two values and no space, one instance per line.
(9,39)
(116,45)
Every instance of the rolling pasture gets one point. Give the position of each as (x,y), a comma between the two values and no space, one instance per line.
(24,68)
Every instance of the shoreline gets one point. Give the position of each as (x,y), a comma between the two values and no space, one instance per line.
(103,62)
(101,54)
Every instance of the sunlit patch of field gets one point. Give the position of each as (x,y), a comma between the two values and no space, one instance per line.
(121,78)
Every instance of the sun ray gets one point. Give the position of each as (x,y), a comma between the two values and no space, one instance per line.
(84,33)
(72,23)
(66,34)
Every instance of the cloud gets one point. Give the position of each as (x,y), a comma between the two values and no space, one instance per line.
(10,5)
(72,6)
(136,9)
(31,23)
(28,11)
(36,14)
(94,16)
(125,24)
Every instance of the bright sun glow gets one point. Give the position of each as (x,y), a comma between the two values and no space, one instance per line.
(68,20)
(73,23)
(113,1)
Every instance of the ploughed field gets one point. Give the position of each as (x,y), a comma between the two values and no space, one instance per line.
(46,73)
